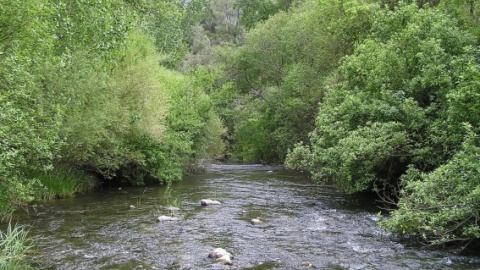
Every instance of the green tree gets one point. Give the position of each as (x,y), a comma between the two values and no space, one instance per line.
(398,78)
(466,12)
(28,129)
(165,22)
(81,88)
(285,67)
(255,11)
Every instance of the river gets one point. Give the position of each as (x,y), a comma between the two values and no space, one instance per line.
(318,226)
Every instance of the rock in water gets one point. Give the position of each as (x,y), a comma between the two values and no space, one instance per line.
(206,202)
(225,260)
(306,264)
(219,252)
(221,255)
(256,221)
(166,218)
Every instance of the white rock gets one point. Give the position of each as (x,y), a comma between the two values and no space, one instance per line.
(219,252)
(226,259)
(206,202)
(221,255)
(256,221)
(166,218)
(306,264)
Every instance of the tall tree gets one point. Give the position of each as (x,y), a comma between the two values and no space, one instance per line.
(255,11)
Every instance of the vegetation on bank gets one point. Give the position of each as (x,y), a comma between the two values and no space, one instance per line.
(372,95)
(14,246)
(88,90)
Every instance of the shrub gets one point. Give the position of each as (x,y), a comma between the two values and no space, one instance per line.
(441,206)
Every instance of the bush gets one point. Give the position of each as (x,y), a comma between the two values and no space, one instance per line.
(441,206)
(396,100)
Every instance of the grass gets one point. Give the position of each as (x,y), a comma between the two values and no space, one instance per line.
(63,182)
(13,248)
(171,200)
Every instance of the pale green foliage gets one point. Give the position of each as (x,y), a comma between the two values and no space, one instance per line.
(142,94)
(81,88)
(191,130)
(192,113)
(163,20)
(97,26)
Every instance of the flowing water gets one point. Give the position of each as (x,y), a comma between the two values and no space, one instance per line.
(302,222)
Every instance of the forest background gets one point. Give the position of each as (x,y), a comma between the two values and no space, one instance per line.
(378,96)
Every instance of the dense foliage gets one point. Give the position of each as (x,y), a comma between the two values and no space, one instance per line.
(82,88)
(442,206)
(390,108)
(283,71)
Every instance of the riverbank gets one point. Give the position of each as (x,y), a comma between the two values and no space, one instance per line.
(61,182)
(55,184)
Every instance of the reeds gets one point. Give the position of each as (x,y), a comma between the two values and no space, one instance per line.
(13,248)
(63,182)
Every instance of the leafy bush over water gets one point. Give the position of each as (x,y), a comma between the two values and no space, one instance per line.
(442,205)
(395,120)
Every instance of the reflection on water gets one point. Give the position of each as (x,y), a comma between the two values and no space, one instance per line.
(303,223)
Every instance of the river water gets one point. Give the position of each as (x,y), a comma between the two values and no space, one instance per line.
(302,222)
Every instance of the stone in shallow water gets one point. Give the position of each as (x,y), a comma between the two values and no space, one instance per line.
(224,259)
(221,255)
(256,221)
(166,218)
(206,202)
(306,264)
